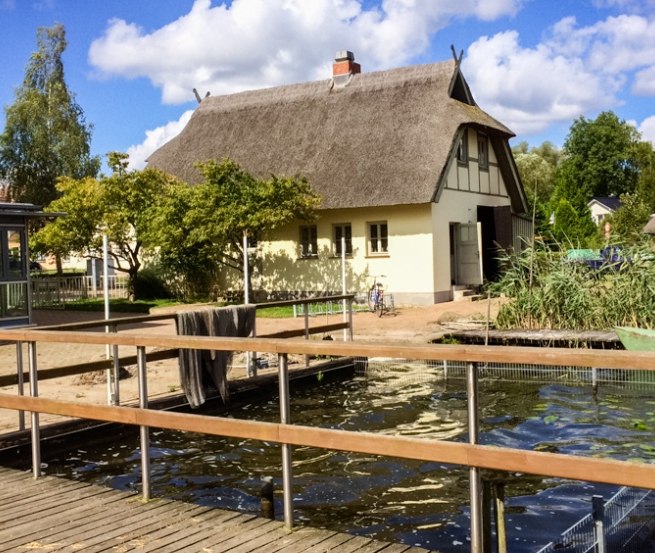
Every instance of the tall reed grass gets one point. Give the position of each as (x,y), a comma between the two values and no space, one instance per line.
(550,291)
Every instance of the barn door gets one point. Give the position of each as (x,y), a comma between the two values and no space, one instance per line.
(468,246)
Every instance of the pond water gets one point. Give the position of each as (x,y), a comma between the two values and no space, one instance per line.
(416,503)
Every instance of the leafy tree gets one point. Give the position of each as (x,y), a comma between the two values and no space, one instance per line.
(122,206)
(45,135)
(599,159)
(537,167)
(629,219)
(217,213)
(572,228)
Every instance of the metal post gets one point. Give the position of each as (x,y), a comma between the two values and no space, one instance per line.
(343,284)
(305,308)
(474,472)
(36,431)
(598,513)
(350,318)
(144,430)
(21,382)
(116,393)
(285,418)
(105,290)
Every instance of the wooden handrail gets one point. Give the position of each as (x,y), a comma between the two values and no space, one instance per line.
(639,475)
(612,359)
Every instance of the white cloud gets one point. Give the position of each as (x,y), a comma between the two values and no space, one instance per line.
(256,43)
(156,138)
(647,129)
(573,71)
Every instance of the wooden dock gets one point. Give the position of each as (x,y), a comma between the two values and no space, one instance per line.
(54,514)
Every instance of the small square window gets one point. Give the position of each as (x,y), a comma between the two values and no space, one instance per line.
(342,233)
(308,241)
(378,238)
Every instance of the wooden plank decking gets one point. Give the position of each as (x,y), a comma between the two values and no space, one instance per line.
(53,514)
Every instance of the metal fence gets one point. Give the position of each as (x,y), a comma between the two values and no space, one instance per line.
(52,291)
(624,522)
(417,370)
(618,526)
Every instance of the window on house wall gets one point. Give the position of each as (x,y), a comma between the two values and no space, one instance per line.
(344,232)
(308,241)
(462,148)
(483,151)
(378,238)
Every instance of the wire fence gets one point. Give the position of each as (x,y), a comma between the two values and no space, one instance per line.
(618,526)
(625,521)
(419,371)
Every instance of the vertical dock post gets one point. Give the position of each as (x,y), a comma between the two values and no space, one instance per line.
(305,307)
(36,431)
(285,418)
(21,382)
(144,430)
(598,513)
(474,472)
(116,394)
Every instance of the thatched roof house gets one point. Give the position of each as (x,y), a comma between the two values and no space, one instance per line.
(363,140)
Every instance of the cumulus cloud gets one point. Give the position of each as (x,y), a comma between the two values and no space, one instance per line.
(573,71)
(255,43)
(156,138)
(647,129)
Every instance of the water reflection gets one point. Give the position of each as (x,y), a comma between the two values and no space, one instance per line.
(413,502)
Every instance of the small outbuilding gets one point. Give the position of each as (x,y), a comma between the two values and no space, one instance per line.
(15,285)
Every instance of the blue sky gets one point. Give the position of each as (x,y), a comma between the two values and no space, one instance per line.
(535,65)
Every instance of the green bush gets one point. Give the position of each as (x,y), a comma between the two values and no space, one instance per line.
(149,286)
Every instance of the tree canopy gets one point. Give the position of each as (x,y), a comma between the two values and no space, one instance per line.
(45,135)
(202,228)
(601,158)
(191,232)
(122,206)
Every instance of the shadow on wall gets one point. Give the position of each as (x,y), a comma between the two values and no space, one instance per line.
(279,276)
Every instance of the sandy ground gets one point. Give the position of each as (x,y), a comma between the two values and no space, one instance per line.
(406,324)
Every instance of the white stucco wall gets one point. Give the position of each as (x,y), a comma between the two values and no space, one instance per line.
(407,270)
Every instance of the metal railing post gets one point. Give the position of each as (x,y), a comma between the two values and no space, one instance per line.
(474,472)
(144,431)
(251,358)
(305,308)
(116,393)
(285,418)
(350,319)
(21,382)
(36,431)
(598,513)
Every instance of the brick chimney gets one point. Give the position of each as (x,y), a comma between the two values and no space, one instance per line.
(344,66)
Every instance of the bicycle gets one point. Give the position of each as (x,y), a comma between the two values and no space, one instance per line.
(376,299)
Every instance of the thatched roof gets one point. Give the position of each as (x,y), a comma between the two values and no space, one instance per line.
(383,139)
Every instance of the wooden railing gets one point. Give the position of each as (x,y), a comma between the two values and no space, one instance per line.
(471,454)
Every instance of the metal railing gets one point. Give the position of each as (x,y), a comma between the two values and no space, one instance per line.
(612,527)
(472,455)
(49,291)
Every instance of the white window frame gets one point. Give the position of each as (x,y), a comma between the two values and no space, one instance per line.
(377,238)
(339,230)
(308,241)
